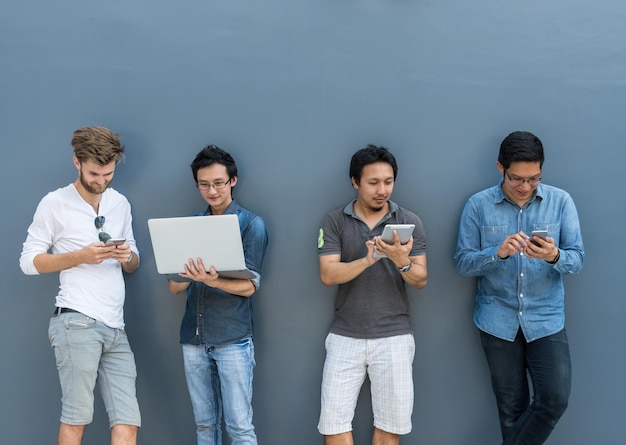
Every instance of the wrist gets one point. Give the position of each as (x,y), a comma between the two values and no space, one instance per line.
(406,268)
(556,257)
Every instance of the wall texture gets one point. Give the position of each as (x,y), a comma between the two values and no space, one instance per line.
(292,88)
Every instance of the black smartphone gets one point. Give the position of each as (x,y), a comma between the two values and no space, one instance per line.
(115,241)
(540,233)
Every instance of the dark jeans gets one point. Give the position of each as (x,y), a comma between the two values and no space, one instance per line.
(547,361)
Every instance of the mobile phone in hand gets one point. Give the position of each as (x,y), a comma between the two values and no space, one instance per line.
(115,241)
(540,233)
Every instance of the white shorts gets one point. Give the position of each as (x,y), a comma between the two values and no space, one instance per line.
(388,362)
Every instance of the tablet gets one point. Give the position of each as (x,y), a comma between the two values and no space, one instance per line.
(405,231)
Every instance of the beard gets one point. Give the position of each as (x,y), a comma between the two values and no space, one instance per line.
(93,188)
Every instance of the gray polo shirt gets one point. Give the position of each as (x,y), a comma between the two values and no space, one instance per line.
(374,304)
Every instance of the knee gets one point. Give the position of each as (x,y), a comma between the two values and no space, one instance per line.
(555,404)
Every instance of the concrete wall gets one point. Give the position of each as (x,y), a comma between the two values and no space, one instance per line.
(292,88)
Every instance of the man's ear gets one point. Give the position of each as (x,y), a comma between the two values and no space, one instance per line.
(354,183)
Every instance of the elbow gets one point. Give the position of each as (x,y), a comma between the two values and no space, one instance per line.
(249,292)
(326,280)
(421,283)
(28,268)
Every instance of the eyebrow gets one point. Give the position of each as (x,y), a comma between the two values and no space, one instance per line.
(519,177)
(206,181)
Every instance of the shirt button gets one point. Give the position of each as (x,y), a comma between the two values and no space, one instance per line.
(520,314)
(521,295)
(522,274)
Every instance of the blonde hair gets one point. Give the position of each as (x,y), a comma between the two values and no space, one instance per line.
(97,144)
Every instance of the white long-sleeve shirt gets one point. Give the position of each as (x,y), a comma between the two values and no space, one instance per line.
(64,222)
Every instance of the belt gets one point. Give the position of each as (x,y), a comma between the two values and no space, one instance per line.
(62,310)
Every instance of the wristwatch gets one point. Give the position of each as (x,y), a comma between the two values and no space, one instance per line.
(406,268)
(130,257)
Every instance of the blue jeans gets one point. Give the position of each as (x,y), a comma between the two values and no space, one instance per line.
(219,379)
(547,361)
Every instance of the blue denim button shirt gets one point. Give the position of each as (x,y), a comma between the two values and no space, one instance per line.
(518,291)
(214,317)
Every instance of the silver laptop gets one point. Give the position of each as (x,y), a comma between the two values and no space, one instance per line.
(215,239)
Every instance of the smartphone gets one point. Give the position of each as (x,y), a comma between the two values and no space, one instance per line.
(115,241)
(540,233)
(405,231)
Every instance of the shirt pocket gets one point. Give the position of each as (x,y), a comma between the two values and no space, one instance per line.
(491,236)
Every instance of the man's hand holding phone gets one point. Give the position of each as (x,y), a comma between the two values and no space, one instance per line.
(541,247)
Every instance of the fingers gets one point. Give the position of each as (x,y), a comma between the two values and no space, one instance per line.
(540,248)
(513,244)
(197,272)
(532,248)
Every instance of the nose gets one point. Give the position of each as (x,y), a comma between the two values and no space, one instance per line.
(526,185)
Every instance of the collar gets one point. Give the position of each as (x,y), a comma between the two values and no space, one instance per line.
(232,208)
(349,210)
(499,195)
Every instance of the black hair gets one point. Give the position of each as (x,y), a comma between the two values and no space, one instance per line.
(369,155)
(520,146)
(212,154)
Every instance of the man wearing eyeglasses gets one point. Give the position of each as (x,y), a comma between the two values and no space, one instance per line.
(520,300)
(217,327)
(86,331)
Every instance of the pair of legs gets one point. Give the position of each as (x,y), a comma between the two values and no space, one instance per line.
(219,379)
(388,362)
(87,353)
(379,437)
(547,362)
(120,434)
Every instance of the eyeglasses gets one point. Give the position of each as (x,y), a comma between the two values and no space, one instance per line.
(219,185)
(515,180)
(102,235)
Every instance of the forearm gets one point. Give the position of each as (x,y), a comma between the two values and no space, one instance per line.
(132,265)
(417,276)
(48,262)
(342,272)
(570,261)
(472,263)
(176,287)
(239,287)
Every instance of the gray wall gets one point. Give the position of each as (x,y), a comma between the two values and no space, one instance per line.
(293,88)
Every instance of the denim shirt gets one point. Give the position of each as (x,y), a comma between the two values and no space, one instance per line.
(215,317)
(518,291)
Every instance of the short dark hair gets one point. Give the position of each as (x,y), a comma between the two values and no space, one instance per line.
(520,146)
(369,155)
(212,154)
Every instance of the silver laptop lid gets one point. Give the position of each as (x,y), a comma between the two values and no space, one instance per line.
(215,239)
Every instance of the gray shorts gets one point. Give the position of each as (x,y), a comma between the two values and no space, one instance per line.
(388,362)
(88,352)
